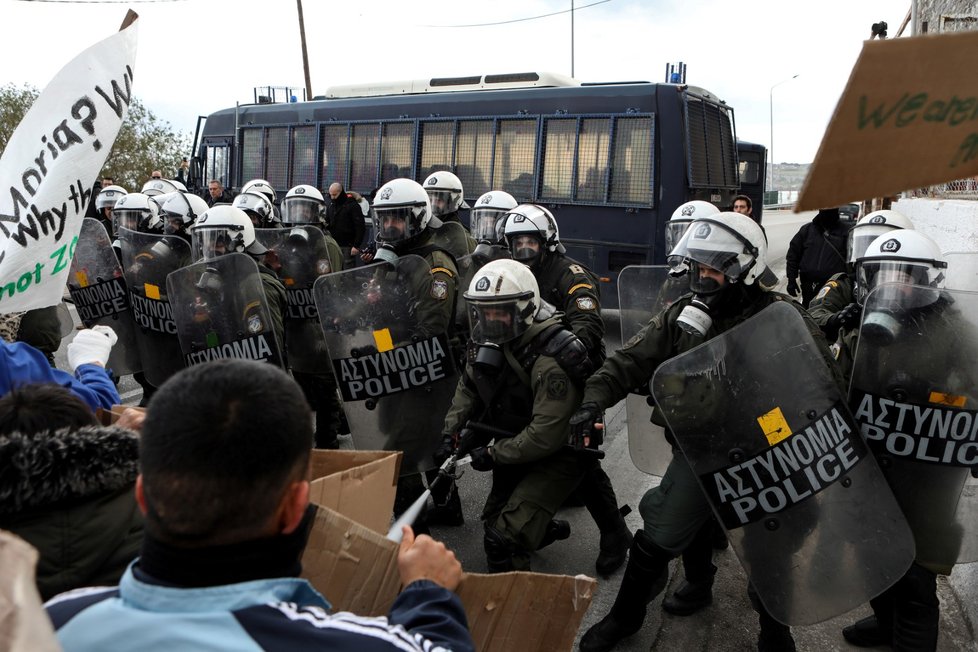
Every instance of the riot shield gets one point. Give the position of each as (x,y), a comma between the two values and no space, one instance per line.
(146,260)
(220,310)
(914,393)
(452,237)
(395,372)
(644,291)
(98,289)
(65,322)
(302,253)
(767,432)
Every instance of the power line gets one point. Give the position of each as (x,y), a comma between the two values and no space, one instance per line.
(101,2)
(517,20)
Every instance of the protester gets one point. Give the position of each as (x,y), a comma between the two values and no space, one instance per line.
(224,462)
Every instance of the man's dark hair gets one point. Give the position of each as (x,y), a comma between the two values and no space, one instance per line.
(745,198)
(42,407)
(220,444)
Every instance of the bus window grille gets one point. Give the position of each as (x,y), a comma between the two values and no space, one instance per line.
(364,153)
(473,156)
(711,145)
(335,154)
(515,158)
(303,156)
(560,141)
(631,175)
(276,157)
(396,152)
(251,152)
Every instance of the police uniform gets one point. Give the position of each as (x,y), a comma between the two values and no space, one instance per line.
(835,295)
(534,471)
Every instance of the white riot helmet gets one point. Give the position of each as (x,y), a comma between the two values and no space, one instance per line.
(503,298)
(180,210)
(529,222)
(484,220)
(445,190)
(261,187)
(257,207)
(870,227)
(136,212)
(224,229)
(683,216)
(304,204)
(155,187)
(728,242)
(902,257)
(403,211)
(108,196)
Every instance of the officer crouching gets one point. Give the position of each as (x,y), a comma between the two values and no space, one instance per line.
(524,375)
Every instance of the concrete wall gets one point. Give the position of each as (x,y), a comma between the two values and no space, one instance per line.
(953,223)
(931,11)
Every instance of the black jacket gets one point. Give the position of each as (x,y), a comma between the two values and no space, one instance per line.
(344,219)
(818,250)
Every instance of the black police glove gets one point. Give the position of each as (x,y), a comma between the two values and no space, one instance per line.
(582,421)
(793,287)
(849,316)
(445,449)
(481,459)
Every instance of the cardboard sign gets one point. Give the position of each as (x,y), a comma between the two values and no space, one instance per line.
(908,118)
(50,163)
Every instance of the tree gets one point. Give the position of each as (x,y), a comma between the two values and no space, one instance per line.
(145,142)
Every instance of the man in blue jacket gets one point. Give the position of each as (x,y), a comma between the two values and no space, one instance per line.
(224,461)
(88,353)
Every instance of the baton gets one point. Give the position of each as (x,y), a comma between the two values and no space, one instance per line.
(412,513)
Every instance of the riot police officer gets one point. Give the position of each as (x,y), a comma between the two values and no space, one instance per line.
(262,187)
(258,208)
(180,210)
(728,275)
(105,202)
(486,223)
(447,195)
(524,377)
(224,229)
(533,238)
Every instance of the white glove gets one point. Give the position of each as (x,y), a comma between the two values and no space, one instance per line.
(91,346)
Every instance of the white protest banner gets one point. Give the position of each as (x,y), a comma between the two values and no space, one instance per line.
(50,163)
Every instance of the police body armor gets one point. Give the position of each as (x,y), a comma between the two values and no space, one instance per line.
(395,371)
(643,292)
(767,431)
(100,294)
(302,252)
(220,310)
(914,393)
(147,259)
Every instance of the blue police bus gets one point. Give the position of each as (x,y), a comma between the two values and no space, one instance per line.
(611,160)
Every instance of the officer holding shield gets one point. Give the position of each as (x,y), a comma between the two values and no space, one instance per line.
(730,282)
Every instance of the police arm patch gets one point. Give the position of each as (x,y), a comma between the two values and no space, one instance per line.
(828,287)
(557,387)
(586,303)
(439,289)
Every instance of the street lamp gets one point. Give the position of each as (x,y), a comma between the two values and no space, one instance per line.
(770,152)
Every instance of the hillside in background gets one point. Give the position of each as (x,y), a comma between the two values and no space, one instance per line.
(790,176)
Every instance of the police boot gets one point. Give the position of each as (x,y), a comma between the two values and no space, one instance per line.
(613,548)
(499,551)
(916,611)
(774,636)
(645,576)
(874,630)
(557,530)
(696,592)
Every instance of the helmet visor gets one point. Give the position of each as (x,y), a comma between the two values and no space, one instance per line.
(209,244)
(893,280)
(714,245)
(860,237)
(442,202)
(301,210)
(396,224)
(674,232)
(484,224)
(497,322)
(127,218)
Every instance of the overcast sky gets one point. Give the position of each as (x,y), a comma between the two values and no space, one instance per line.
(198,56)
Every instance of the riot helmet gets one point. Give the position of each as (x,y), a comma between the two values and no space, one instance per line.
(484,220)
(137,212)
(531,230)
(503,298)
(155,187)
(403,211)
(180,210)
(904,257)
(304,204)
(445,191)
(729,243)
(683,216)
(224,229)
(870,227)
(108,196)
(261,187)
(257,207)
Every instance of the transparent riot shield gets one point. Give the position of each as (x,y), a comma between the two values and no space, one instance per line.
(65,322)
(220,310)
(452,237)
(914,393)
(767,432)
(394,369)
(303,255)
(644,291)
(146,260)
(100,294)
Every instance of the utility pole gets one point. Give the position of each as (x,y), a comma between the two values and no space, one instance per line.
(305,53)
(572,38)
